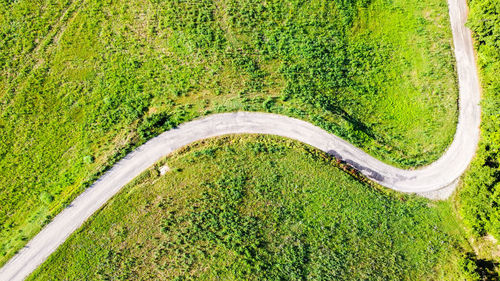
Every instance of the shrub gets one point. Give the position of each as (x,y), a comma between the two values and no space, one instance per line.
(46,197)
(468,268)
(88,159)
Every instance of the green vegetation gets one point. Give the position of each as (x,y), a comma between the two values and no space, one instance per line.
(83,82)
(260,208)
(480,195)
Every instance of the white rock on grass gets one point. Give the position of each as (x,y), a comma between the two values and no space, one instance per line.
(164,169)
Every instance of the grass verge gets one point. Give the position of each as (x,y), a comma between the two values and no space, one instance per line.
(260,208)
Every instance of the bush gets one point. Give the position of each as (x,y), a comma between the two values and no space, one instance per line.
(154,124)
(46,197)
(468,268)
(88,159)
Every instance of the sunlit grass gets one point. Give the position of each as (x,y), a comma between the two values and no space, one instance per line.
(95,79)
(259,208)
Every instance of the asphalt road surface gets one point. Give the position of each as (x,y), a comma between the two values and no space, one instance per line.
(436,180)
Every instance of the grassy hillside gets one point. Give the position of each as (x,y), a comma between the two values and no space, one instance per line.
(480,195)
(82,82)
(259,208)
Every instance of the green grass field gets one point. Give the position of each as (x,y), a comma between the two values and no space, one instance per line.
(83,82)
(259,208)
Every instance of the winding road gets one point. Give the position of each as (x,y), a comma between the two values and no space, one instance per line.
(436,181)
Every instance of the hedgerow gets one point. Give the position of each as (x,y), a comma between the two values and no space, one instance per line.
(479,197)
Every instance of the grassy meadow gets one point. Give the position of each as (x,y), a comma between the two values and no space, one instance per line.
(83,82)
(260,208)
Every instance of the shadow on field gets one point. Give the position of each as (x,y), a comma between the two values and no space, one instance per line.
(487,270)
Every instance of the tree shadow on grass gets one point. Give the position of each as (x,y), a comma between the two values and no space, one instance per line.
(487,269)
(357,124)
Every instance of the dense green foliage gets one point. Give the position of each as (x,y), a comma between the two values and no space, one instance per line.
(258,208)
(480,196)
(82,82)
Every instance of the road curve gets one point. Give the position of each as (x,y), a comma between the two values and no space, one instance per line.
(433,178)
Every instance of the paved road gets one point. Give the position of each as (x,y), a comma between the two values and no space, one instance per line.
(435,180)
